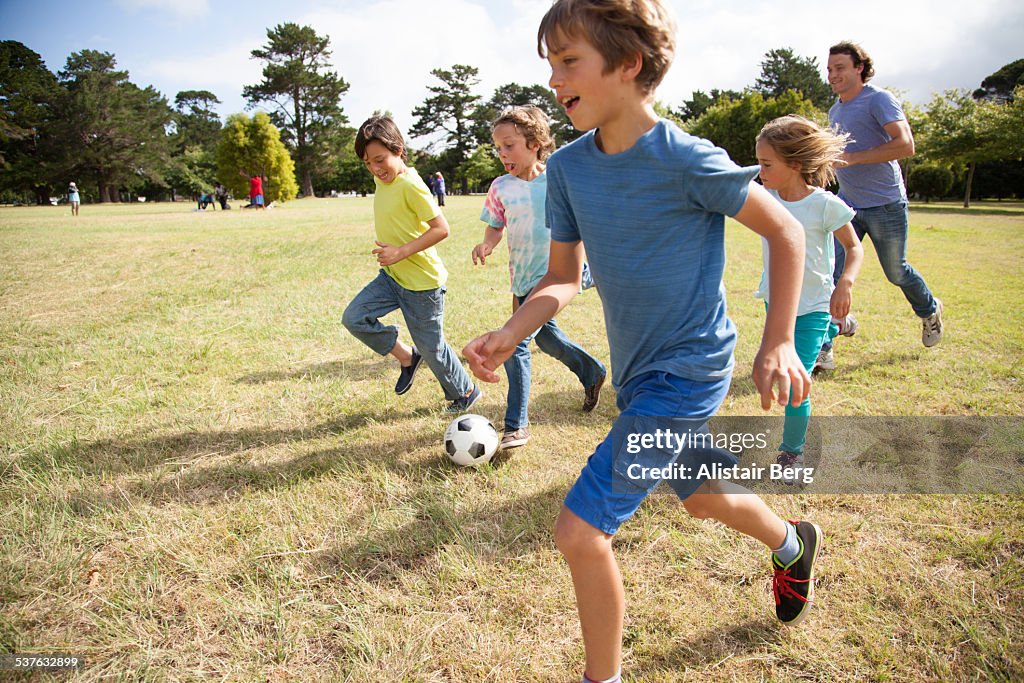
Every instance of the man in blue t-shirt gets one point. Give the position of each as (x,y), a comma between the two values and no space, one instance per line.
(871,181)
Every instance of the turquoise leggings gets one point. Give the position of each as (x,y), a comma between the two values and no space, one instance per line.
(811,331)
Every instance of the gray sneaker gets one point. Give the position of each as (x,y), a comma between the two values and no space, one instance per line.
(931,334)
(826,361)
(847,326)
(792,467)
(515,438)
(461,405)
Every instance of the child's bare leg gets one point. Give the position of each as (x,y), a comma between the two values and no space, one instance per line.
(403,353)
(600,597)
(739,509)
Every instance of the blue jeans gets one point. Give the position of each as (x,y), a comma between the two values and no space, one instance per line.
(888,228)
(424,316)
(554,342)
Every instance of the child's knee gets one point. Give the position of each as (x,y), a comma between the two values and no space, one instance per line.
(577,540)
(353,318)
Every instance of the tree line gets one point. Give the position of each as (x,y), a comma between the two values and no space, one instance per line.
(89,122)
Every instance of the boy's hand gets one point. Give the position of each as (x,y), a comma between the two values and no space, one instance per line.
(842,299)
(780,365)
(387,254)
(487,352)
(481,252)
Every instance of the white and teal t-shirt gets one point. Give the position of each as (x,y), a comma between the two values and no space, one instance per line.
(517,206)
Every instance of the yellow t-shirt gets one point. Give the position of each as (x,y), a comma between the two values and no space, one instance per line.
(401,210)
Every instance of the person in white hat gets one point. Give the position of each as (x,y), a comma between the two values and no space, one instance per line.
(73,198)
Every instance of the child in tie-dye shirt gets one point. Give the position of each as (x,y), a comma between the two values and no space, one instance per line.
(515,204)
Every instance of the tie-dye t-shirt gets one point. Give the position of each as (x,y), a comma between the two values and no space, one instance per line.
(518,205)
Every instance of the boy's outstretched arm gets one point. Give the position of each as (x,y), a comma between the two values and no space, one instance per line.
(389,254)
(556,289)
(492,237)
(776,362)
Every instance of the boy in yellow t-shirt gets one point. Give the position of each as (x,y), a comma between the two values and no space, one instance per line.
(412,277)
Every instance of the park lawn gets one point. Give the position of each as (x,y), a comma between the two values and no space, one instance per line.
(203,476)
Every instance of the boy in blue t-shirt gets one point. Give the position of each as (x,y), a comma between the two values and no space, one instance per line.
(649,203)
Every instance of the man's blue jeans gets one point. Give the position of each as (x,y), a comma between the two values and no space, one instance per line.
(554,342)
(888,228)
(424,317)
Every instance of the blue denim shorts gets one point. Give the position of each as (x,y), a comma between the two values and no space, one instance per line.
(634,458)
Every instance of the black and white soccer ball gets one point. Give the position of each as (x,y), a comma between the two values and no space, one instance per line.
(470,440)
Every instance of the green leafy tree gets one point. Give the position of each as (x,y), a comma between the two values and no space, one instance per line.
(784,70)
(451,108)
(963,131)
(29,155)
(700,101)
(252,146)
(734,124)
(306,95)
(116,130)
(482,167)
(930,180)
(1001,84)
(195,121)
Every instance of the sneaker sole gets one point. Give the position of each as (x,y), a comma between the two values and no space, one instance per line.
(810,593)
(513,444)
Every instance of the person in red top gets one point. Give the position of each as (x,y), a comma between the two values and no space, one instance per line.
(255,190)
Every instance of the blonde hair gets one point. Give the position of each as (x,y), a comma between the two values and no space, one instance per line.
(803,142)
(618,29)
(532,123)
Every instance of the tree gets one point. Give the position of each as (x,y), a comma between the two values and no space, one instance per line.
(306,95)
(783,70)
(961,130)
(482,167)
(1001,84)
(700,101)
(453,109)
(195,121)
(27,150)
(253,147)
(734,124)
(929,180)
(116,130)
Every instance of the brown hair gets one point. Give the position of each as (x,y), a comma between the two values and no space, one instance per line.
(618,29)
(532,123)
(803,142)
(379,129)
(859,56)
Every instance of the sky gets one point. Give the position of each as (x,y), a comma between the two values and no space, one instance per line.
(386,49)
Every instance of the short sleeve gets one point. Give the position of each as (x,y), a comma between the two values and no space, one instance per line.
(493,213)
(836,213)
(558,211)
(714,182)
(420,202)
(886,109)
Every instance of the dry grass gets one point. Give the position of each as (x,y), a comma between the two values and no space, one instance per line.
(203,477)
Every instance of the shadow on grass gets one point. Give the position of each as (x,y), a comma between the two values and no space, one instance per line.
(986,210)
(358,370)
(385,557)
(710,648)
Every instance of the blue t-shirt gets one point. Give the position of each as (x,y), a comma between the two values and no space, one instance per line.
(867,185)
(652,221)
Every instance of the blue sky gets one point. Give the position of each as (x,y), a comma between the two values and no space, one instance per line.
(386,48)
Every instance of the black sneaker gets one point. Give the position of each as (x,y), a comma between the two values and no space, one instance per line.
(461,405)
(408,374)
(592,394)
(793,584)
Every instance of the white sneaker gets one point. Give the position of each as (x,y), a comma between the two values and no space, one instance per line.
(826,361)
(847,326)
(931,334)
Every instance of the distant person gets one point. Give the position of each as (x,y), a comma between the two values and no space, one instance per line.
(412,277)
(870,180)
(73,198)
(255,190)
(439,188)
(205,200)
(221,194)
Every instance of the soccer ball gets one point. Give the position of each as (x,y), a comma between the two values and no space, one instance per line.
(470,440)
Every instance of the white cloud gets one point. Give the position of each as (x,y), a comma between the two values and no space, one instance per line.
(224,72)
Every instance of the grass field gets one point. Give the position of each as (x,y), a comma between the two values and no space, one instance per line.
(204,477)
